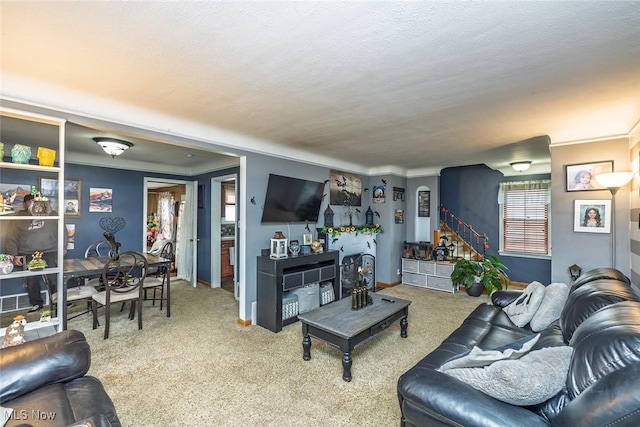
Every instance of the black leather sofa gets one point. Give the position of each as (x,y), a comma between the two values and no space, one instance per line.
(44,382)
(600,321)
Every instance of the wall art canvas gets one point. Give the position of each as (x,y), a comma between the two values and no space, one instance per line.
(592,216)
(399,216)
(345,189)
(100,200)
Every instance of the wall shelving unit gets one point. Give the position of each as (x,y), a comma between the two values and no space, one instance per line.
(58,127)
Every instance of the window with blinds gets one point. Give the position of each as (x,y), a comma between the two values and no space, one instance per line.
(525,216)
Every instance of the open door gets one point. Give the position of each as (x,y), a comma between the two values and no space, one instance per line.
(188,229)
(185,237)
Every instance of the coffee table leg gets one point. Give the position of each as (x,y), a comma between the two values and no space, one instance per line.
(403,327)
(346,365)
(306,347)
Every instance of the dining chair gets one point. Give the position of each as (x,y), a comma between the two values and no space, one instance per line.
(99,249)
(123,278)
(157,276)
(74,294)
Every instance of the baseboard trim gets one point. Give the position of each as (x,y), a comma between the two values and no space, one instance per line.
(383,285)
(243,322)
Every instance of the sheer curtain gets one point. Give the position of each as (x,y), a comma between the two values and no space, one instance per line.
(165,216)
(184,254)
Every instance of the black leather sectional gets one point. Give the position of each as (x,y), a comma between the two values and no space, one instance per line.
(600,320)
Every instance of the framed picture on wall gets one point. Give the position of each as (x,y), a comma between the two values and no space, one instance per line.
(71,193)
(424,199)
(592,216)
(582,176)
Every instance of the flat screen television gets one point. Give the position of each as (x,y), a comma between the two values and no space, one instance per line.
(292,200)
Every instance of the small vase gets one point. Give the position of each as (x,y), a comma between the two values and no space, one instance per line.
(46,156)
(6,267)
(20,154)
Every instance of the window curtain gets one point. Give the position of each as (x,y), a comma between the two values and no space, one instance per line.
(544,185)
(184,250)
(164,227)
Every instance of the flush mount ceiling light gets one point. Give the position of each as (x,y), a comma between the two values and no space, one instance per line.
(112,146)
(520,166)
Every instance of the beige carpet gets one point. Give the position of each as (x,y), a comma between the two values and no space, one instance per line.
(200,368)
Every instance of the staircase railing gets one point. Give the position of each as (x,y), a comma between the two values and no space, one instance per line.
(464,240)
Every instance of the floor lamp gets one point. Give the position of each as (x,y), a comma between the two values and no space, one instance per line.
(614,181)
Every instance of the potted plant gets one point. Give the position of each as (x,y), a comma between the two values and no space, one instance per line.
(476,275)
(45,315)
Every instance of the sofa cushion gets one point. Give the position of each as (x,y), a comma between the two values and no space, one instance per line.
(555,295)
(521,310)
(606,342)
(478,357)
(535,377)
(588,299)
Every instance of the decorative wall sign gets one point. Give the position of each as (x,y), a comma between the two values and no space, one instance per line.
(582,176)
(592,216)
(424,200)
(398,193)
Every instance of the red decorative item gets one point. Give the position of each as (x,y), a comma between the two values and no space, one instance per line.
(459,222)
(486,246)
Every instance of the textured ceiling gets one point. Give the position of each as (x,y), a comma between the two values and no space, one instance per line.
(404,87)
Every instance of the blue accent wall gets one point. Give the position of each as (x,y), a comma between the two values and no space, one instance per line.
(128,194)
(471,193)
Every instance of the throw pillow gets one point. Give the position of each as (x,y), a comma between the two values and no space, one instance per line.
(551,307)
(534,378)
(478,357)
(521,310)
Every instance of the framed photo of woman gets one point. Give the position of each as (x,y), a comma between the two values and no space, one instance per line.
(592,216)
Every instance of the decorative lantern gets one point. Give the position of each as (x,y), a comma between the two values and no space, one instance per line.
(368,217)
(279,245)
(451,248)
(328,217)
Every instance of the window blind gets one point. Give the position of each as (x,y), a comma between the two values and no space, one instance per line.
(525,216)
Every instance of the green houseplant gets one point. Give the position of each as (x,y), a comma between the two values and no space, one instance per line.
(489,272)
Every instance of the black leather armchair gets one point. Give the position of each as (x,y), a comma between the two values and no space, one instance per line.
(44,382)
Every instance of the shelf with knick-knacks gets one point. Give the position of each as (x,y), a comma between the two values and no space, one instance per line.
(16,154)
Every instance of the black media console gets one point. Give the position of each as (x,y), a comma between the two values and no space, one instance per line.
(278,275)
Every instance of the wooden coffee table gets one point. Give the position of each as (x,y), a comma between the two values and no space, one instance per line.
(338,325)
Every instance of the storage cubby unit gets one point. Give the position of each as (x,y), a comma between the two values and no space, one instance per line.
(276,276)
(428,274)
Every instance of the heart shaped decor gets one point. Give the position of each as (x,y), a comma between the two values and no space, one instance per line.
(112,224)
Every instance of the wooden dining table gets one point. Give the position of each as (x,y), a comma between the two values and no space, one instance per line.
(78,267)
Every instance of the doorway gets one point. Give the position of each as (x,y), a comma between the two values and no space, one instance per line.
(169,214)
(224,214)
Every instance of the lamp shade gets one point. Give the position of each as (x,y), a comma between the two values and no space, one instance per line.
(112,146)
(614,179)
(520,166)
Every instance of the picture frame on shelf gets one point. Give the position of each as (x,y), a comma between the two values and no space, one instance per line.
(582,176)
(71,194)
(592,216)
